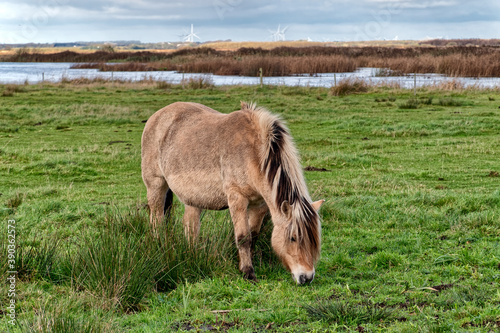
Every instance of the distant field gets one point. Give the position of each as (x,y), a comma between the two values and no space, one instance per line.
(410,231)
(232,46)
(220,46)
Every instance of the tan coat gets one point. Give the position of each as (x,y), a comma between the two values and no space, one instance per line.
(245,161)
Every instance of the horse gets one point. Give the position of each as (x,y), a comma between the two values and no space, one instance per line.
(244,161)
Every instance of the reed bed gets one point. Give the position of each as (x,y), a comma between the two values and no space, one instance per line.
(464,61)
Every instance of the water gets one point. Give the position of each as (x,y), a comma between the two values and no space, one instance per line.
(18,73)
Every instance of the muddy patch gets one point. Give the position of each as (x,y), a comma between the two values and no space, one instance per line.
(312,168)
(442,287)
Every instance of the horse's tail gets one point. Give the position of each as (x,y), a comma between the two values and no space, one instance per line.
(167,208)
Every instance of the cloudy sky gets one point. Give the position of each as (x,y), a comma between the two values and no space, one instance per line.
(50,21)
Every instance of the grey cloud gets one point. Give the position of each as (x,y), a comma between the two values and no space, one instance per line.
(244,20)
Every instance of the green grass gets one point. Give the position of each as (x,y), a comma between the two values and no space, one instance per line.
(410,232)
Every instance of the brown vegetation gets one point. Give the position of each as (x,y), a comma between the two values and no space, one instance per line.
(462,42)
(468,61)
(349,86)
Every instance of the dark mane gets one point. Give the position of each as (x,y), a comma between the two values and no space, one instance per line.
(285,189)
(282,168)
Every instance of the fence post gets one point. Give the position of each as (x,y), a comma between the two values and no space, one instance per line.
(261,79)
(334,79)
(182,80)
(415,84)
(43,77)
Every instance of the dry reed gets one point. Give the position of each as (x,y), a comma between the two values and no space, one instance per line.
(282,61)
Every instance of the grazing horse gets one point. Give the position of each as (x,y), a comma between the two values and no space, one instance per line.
(245,161)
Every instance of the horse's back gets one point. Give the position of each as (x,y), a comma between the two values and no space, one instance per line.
(200,150)
(164,117)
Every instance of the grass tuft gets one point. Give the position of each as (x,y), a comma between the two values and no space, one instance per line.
(450,102)
(15,201)
(11,89)
(117,267)
(213,253)
(63,317)
(411,103)
(199,82)
(38,261)
(126,261)
(347,314)
(349,86)
(164,85)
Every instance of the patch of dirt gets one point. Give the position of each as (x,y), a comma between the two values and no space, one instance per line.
(442,287)
(494,174)
(114,142)
(220,327)
(488,322)
(333,296)
(407,304)
(312,168)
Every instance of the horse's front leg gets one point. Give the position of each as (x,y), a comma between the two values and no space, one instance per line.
(256,215)
(238,207)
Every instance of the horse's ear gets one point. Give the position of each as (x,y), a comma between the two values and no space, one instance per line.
(317,204)
(286,209)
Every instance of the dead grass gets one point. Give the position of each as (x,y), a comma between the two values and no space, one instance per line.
(450,85)
(349,86)
(10,90)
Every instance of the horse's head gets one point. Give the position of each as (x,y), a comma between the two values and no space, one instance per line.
(296,240)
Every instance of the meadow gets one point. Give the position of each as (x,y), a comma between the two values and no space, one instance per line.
(410,227)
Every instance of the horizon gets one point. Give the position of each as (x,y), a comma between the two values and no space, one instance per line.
(131,42)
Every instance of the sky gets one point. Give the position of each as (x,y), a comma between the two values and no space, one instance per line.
(49,21)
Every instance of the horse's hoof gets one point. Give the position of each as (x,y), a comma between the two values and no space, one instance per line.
(249,274)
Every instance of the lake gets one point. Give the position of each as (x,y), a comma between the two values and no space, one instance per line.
(18,73)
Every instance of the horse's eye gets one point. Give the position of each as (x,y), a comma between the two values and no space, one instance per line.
(292,239)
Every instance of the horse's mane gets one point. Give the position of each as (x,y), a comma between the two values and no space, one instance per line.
(280,163)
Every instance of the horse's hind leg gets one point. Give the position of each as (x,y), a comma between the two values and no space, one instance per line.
(191,221)
(157,194)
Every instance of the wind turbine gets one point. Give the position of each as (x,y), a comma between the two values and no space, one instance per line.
(278,35)
(190,37)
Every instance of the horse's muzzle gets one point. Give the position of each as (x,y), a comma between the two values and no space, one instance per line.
(303,278)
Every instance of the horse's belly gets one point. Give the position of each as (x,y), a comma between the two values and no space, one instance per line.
(203,190)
